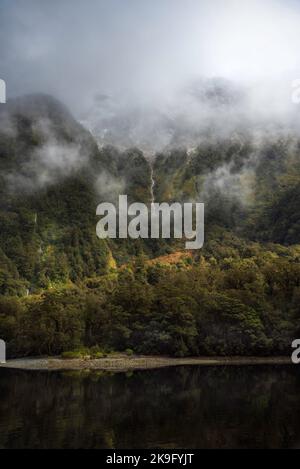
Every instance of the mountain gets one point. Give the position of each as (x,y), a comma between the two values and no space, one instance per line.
(53,176)
(64,290)
(249,186)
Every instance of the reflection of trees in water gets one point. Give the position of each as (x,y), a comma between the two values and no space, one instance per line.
(192,407)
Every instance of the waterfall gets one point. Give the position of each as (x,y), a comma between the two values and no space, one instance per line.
(152,185)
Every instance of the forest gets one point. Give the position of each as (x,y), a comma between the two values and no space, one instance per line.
(64,291)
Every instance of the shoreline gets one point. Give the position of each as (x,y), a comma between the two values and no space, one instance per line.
(138,362)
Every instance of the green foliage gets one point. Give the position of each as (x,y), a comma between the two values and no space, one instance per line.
(235,299)
(84,353)
(72,355)
(63,291)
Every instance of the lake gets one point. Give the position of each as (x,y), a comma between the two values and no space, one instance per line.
(181,407)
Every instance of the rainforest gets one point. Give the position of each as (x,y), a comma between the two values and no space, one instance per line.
(64,290)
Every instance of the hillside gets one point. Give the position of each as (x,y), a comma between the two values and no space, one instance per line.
(53,176)
(63,289)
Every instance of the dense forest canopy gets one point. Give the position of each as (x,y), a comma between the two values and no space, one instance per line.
(62,289)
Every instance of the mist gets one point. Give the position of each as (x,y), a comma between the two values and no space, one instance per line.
(149,74)
(51,161)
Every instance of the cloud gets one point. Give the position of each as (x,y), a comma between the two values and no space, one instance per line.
(44,164)
(132,71)
(143,50)
(108,187)
(47,165)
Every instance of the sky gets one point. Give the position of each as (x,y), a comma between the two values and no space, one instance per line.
(143,50)
(133,71)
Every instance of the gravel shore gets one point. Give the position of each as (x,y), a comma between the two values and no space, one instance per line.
(125,363)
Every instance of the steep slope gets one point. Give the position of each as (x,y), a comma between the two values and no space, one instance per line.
(248,185)
(234,297)
(53,176)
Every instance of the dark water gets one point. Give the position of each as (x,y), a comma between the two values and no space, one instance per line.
(184,407)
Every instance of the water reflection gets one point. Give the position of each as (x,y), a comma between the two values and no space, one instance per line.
(184,407)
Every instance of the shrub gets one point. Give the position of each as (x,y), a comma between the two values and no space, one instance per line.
(97,352)
(71,354)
